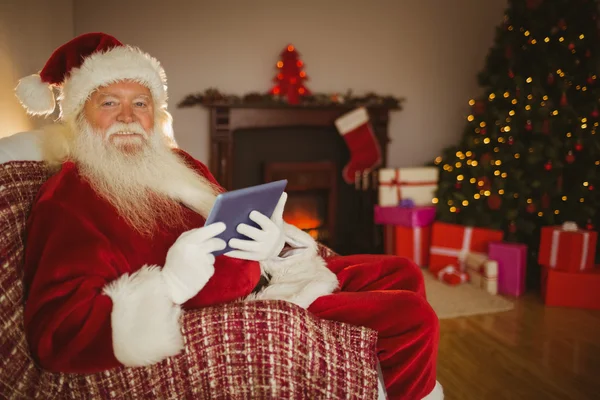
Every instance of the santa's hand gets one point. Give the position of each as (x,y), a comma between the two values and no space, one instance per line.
(266,242)
(190,262)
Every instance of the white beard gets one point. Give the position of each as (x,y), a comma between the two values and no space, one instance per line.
(140,175)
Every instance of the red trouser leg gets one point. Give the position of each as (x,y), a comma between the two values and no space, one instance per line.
(387,294)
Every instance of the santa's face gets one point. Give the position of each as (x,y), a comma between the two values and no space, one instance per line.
(122,113)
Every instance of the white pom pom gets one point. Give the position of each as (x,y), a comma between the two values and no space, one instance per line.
(36,96)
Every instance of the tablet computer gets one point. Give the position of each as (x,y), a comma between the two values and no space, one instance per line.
(234,208)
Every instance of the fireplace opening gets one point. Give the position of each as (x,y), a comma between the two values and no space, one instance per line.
(312,195)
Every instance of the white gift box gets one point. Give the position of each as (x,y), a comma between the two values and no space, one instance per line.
(417,184)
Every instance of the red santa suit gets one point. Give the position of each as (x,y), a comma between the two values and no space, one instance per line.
(78,245)
(95,294)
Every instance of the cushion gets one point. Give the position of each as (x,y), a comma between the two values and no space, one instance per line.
(22,146)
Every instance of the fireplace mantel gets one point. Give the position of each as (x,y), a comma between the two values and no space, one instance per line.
(226,119)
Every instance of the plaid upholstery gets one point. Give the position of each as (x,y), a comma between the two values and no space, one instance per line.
(241,350)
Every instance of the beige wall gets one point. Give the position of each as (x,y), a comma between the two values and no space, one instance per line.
(428,51)
(29,31)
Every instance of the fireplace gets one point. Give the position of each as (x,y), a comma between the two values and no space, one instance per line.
(253,145)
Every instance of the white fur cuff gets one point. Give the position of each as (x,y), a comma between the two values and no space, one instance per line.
(145,321)
(300,276)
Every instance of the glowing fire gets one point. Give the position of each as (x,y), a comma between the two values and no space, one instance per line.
(303,213)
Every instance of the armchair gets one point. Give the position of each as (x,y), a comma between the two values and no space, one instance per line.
(240,350)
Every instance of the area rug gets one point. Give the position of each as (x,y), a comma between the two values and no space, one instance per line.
(462,300)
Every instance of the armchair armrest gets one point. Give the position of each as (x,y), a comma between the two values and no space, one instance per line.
(243,350)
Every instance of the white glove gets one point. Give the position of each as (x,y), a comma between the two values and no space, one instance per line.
(190,262)
(266,242)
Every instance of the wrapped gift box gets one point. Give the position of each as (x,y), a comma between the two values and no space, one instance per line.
(403,216)
(417,184)
(451,275)
(413,243)
(567,248)
(482,271)
(450,243)
(512,265)
(571,289)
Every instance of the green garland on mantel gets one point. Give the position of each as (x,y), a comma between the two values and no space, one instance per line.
(213,97)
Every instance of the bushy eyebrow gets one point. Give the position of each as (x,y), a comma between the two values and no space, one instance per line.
(102,95)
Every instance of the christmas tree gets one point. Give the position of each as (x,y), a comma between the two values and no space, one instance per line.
(289,82)
(529,154)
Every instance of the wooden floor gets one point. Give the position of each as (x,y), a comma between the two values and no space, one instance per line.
(532,352)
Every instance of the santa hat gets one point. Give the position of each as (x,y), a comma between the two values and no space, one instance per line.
(83,64)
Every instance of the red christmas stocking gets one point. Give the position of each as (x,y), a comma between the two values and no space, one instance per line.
(365,152)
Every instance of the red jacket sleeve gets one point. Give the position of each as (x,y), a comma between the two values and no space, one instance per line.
(68,262)
(233,278)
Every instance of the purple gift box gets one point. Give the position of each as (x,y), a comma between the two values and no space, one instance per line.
(512,263)
(409,217)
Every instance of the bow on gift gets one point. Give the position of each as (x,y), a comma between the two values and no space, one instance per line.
(452,275)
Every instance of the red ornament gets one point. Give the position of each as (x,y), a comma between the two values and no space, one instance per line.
(591,187)
(479,107)
(563,100)
(550,79)
(511,141)
(483,131)
(494,202)
(290,78)
(528,126)
(458,185)
(485,159)
(511,74)
(562,24)
(545,200)
(572,46)
(531,208)
(595,113)
(548,166)
(458,210)
(570,158)
(590,80)
(578,147)
(486,184)
(589,226)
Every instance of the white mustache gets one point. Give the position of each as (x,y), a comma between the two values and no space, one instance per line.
(119,128)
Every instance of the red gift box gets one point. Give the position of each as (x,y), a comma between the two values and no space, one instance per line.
(567,248)
(450,244)
(413,243)
(571,289)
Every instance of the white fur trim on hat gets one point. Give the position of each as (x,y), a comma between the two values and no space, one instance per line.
(36,96)
(104,68)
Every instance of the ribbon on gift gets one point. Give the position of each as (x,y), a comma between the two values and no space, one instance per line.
(569,227)
(460,254)
(396,182)
(417,246)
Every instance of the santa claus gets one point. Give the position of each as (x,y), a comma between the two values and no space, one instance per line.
(117,247)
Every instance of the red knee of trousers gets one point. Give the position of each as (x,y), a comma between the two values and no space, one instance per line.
(411,273)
